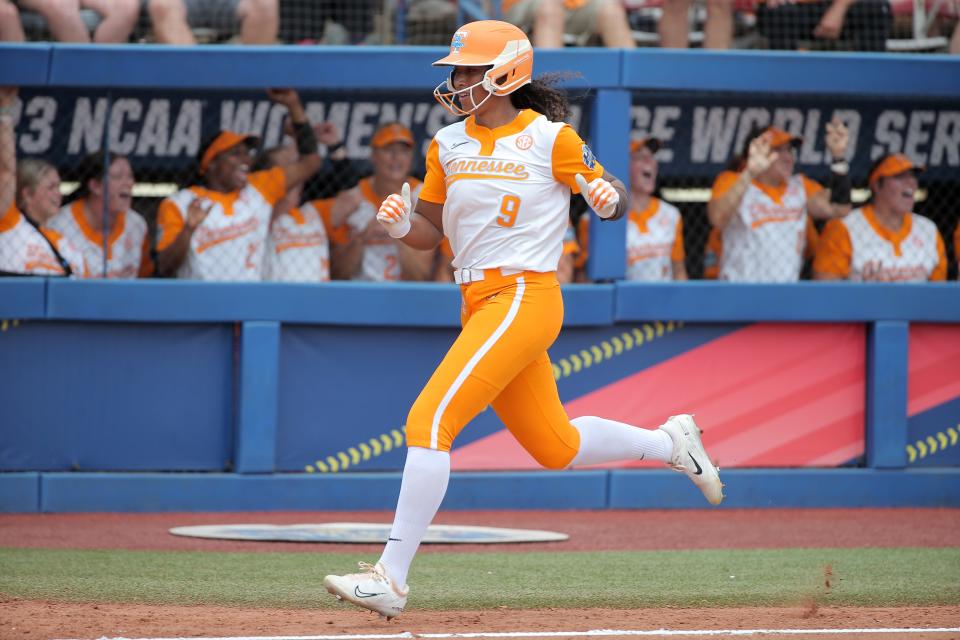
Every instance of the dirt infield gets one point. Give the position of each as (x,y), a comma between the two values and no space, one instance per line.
(589,530)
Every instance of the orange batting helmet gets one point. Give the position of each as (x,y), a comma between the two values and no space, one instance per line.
(487,43)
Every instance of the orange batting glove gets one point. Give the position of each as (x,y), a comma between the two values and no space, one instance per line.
(394,213)
(600,195)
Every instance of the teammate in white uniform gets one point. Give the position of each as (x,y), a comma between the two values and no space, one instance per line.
(217,230)
(884,241)
(654,227)
(370,253)
(298,249)
(81,221)
(762,207)
(498,185)
(29,196)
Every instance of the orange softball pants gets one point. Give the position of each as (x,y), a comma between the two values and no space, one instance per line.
(500,359)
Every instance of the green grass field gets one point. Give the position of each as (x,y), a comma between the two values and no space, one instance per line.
(618,579)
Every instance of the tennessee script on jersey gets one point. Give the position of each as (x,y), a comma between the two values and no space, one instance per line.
(506,191)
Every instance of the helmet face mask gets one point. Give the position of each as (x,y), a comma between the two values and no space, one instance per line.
(502,47)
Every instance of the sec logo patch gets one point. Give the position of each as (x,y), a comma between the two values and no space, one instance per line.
(589,160)
(524,142)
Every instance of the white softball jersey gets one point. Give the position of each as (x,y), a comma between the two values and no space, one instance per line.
(506,191)
(876,254)
(298,249)
(230,244)
(654,241)
(128,245)
(766,238)
(25,250)
(381,253)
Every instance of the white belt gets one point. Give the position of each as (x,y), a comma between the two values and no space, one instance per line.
(466,276)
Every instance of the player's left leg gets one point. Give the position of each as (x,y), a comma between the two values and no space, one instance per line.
(530,407)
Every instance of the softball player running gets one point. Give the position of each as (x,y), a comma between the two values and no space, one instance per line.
(498,186)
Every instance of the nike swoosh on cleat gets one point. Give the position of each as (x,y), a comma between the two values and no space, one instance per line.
(363,594)
(696,464)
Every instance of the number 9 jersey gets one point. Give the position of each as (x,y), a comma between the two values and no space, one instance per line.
(506,191)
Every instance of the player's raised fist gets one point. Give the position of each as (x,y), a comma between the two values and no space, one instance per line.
(600,195)
(394,213)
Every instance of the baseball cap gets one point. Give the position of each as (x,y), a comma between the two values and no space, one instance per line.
(390,133)
(892,165)
(225,140)
(780,137)
(654,144)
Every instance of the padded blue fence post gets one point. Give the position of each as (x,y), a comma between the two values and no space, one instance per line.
(258,401)
(886,436)
(610,133)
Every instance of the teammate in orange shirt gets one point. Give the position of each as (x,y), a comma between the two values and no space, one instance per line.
(127,252)
(217,228)
(763,207)
(29,196)
(884,241)
(498,186)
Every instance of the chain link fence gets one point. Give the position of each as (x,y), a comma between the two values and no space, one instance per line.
(864,25)
(209,185)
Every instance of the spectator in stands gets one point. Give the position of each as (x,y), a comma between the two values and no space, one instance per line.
(118,18)
(370,253)
(674,25)
(103,207)
(10,28)
(29,195)
(548,20)
(762,205)
(861,25)
(298,248)
(216,229)
(654,227)
(884,241)
(172,20)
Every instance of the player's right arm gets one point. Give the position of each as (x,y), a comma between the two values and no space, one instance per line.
(176,232)
(729,188)
(421,228)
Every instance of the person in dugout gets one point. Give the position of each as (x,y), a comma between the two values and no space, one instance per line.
(29,196)
(100,221)
(654,227)
(884,241)
(762,206)
(216,228)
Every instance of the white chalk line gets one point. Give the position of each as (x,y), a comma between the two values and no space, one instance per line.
(595,633)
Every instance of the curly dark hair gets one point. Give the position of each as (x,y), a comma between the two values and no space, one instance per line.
(544,97)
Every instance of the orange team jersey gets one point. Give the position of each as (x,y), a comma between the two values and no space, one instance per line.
(298,248)
(713,250)
(858,247)
(26,250)
(654,241)
(128,245)
(506,191)
(381,253)
(230,244)
(765,240)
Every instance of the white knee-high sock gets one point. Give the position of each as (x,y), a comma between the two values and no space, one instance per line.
(425,477)
(603,440)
